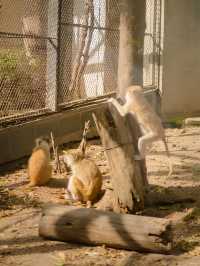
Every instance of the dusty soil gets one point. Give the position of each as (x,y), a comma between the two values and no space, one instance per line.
(20,209)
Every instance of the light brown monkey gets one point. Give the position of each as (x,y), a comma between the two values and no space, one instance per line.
(86,181)
(147,118)
(39,168)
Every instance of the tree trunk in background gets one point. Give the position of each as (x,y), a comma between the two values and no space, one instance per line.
(132,28)
(132,177)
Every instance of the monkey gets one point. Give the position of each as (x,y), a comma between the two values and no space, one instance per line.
(39,167)
(149,122)
(85,182)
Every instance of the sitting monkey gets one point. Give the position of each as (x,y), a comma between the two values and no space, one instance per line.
(39,168)
(86,181)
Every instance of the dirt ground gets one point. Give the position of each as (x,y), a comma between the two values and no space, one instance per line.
(20,210)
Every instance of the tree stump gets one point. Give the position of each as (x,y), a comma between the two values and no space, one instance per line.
(119,137)
(96,227)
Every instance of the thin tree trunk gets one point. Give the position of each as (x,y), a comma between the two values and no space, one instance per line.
(132,28)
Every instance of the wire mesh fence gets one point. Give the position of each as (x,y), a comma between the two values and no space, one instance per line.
(22,83)
(24,75)
(99,74)
(41,42)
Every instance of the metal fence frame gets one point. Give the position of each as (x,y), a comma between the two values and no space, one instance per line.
(55,43)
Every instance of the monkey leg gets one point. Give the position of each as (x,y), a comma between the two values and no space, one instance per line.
(145,141)
(73,190)
(89,204)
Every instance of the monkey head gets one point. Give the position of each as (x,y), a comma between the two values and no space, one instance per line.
(133,92)
(72,156)
(43,142)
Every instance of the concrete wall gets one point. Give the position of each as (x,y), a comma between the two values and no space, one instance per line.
(181,57)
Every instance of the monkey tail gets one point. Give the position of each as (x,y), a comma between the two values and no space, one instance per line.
(169,158)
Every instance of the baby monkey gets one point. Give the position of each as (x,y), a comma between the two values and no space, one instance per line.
(86,181)
(149,121)
(39,168)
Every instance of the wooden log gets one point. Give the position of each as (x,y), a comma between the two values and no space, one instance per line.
(119,138)
(96,227)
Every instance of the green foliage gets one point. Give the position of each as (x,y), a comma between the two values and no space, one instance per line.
(176,122)
(14,65)
(8,65)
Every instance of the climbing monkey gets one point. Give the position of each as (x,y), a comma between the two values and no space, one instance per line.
(149,121)
(39,168)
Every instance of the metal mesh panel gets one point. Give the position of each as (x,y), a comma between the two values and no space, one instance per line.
(22,82)
(25,78)
(100,74)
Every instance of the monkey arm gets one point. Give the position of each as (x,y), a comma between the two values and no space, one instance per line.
(120,108)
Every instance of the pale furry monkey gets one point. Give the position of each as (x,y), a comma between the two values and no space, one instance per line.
(39,167)
(86,181)
(147,118)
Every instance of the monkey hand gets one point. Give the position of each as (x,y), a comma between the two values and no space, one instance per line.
(111,100)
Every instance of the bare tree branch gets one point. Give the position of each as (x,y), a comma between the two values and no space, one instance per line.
(83,53)
(56,155)
(82,146)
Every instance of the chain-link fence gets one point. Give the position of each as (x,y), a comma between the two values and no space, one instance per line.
(99,74)
(42,41)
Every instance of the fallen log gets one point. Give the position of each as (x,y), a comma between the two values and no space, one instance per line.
(96,227)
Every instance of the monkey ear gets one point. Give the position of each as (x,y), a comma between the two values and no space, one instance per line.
(38,141)
(47,139)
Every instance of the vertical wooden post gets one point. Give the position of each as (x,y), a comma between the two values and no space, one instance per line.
(52,55)
(120,144)
(132,28)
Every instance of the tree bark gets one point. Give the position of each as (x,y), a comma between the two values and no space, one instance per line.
(119,139)
(132,28)
(96,227)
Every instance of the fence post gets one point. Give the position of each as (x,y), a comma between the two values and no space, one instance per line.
(52,54)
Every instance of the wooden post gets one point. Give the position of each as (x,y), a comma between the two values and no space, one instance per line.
(132,28)
(119,138)
(96,227)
